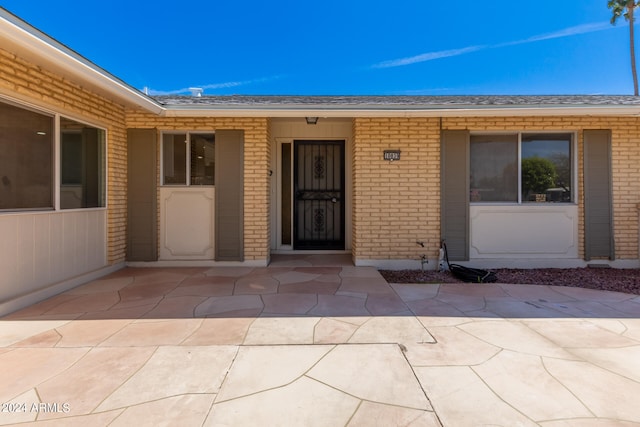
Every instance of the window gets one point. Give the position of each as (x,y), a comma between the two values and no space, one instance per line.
(188,155)
(546,168)
(27,169)
(26,159)
(522,167)
(82,169)
(494,168)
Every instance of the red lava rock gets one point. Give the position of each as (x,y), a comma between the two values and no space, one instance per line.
(605,279)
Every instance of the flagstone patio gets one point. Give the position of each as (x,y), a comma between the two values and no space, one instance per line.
(315,341)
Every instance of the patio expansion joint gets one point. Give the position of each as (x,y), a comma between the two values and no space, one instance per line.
(357,327)
(304,374)
(569,349)
(403,350)
(146,402)
(75,297)
(361,399)
(181,343)
(520,322)
(575,396)
(226,375)
(56,331)
(612,306)
(401,346)
(311,378)
(133,374)
(497,395)
(80,416)
(44,380)
(612,372)
(88,350)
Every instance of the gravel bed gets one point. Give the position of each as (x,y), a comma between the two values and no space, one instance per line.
(606,279)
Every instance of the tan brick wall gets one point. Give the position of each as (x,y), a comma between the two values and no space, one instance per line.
(24,81)
(256,168)
(355,249)
(397,203)
(270,169)
(626,186)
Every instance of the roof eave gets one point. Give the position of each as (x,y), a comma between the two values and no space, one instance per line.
(34,44)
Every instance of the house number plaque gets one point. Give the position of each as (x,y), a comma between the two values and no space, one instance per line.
(392,155)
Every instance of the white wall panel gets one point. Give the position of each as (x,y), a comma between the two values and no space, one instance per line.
(25,248)
(41,249)
(56,243)
(524,231)
(187,223)
(8,255)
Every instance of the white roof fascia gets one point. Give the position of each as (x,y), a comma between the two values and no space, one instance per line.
(381,111)
(47,48)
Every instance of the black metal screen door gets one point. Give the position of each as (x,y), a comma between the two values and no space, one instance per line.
(318,208)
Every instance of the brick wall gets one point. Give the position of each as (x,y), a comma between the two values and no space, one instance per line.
(256,168)
(626,186)
(24,81)
(397,203)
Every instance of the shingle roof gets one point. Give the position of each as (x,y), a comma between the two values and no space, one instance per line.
(396,102)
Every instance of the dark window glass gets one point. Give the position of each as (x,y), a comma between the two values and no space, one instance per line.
(174,159)
(202,158)
(546,168)
(494,168)
(82,168)
(286,194)
(26,159)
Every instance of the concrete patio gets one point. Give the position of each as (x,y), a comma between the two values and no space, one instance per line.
(314,341)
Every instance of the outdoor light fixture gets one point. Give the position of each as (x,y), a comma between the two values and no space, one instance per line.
(311,120)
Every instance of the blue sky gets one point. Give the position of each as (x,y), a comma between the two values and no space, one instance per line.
(346,47)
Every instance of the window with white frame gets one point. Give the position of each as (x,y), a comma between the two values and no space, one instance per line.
(522,167)
(27,161)
(188,154)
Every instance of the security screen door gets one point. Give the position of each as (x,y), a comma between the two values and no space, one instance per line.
(318,208)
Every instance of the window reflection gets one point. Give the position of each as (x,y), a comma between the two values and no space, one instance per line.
(82,165)
(26,159)
(544,170)
(202,159)
(188,154)
(494,168)
(174,159)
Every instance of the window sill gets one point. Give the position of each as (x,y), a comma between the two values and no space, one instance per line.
(96,208)
(527,204)
(26,210)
